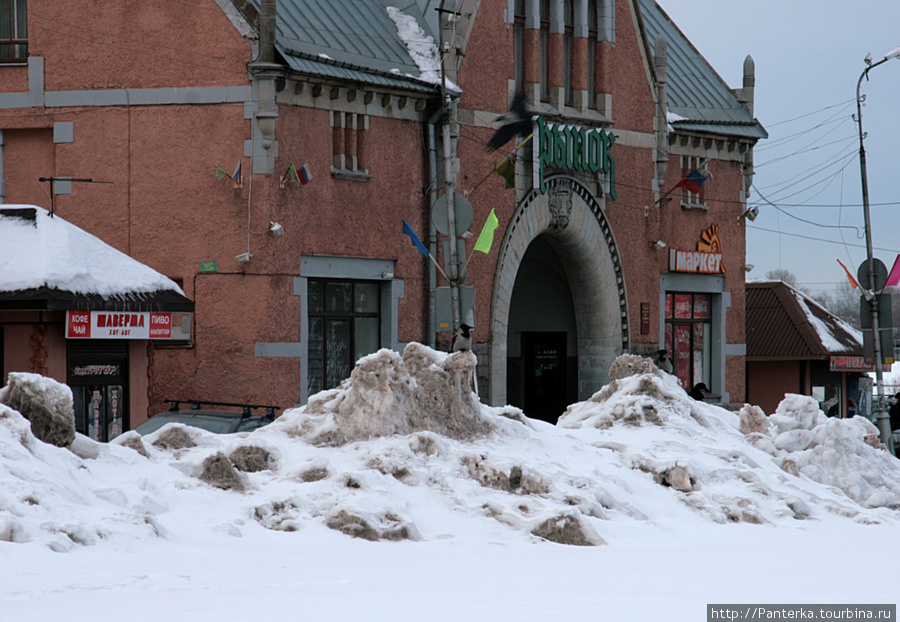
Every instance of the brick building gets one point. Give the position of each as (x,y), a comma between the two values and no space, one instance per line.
(597,251)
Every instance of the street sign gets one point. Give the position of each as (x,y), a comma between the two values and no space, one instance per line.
(881,274)
(462,208)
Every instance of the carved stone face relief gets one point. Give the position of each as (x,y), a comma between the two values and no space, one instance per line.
(560,203)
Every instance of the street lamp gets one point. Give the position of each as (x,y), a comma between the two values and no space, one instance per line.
(883,418)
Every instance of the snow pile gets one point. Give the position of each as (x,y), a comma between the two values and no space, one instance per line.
(843,453)
(388,394)
(403,451)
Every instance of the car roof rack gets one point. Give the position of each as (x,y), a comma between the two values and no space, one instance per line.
(246,409)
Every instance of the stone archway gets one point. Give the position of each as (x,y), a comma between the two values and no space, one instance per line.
(570,218)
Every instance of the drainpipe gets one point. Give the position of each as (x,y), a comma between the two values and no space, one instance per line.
(746,99)
(264,73)
(660,62)
(432,230)
(2,174)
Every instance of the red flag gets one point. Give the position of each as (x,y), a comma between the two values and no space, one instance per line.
(894,277)
(853,282)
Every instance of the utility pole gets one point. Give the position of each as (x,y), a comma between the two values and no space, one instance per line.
(449,172)
(883,418)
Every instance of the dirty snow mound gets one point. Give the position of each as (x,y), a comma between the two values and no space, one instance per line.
(387,394)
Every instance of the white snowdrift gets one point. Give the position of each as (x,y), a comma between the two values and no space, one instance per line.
(639,455)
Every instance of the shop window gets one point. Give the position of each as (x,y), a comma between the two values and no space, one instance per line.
(519,44)
(689,336)
(829,398)
(13,31)
(344,325)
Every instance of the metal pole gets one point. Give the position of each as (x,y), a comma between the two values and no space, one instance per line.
(449,183)
(883,417)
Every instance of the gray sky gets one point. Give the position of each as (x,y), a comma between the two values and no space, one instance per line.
(809,55)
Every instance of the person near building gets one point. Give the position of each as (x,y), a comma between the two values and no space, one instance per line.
(699,391)
(895,412)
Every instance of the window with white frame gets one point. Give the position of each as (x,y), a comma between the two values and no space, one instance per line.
(13,31)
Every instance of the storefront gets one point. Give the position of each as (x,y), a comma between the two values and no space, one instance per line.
(96,340)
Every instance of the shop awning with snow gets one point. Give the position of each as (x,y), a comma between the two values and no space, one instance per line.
(49,264)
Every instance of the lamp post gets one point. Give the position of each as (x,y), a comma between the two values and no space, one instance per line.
(883,418)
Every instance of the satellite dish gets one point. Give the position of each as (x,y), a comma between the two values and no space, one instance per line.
(881,273)
(463,210)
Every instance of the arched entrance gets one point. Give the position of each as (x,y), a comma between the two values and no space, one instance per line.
(556,242)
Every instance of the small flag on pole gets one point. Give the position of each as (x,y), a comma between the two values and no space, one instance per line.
(853,282)
(415,239)
(220,173)
(290,174)
(507,169)
(486,237)
(894,277)
(304,174)
(751,213)
(236,176)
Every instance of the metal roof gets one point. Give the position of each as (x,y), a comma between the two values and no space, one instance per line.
(695,91)
(352,40)
(780,325)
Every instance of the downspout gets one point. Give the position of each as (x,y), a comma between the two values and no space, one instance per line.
(2,172)
(660,63)
(749,86)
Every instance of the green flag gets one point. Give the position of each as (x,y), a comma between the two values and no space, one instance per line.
(486,238)
(220,172)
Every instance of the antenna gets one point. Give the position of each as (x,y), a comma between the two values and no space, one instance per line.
(53,193)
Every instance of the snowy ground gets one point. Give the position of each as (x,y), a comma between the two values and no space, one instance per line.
(662,505)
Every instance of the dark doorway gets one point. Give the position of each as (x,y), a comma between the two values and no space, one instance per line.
(97,374)
(545,378)
(542,355)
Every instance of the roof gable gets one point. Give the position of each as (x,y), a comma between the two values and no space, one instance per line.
(696,93)
(782,322)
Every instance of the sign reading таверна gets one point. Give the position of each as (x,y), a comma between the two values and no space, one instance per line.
(118,325)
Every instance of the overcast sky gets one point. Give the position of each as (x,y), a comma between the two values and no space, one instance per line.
(809,55)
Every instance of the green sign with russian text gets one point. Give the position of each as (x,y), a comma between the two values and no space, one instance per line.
(572,148)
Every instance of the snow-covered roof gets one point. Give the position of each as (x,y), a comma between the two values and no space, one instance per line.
(783,322)
(49,262)
(374,43)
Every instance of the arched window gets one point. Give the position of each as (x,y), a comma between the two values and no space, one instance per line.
(568,49)
(545,49)
(519,44)
(593,35)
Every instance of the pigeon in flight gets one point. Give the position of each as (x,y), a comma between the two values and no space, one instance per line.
(514,122)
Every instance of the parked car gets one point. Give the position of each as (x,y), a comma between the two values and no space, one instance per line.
(211,416)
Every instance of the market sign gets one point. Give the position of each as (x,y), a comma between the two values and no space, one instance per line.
(572,148)
(695,261)
(118,325)
(707,259)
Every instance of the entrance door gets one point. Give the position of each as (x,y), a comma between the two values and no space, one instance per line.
(97,374)
(544,370)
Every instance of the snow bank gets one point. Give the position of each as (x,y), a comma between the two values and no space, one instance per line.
(843,453)
(403,450)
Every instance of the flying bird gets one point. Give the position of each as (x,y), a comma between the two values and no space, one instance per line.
(462,340)
(515,121)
